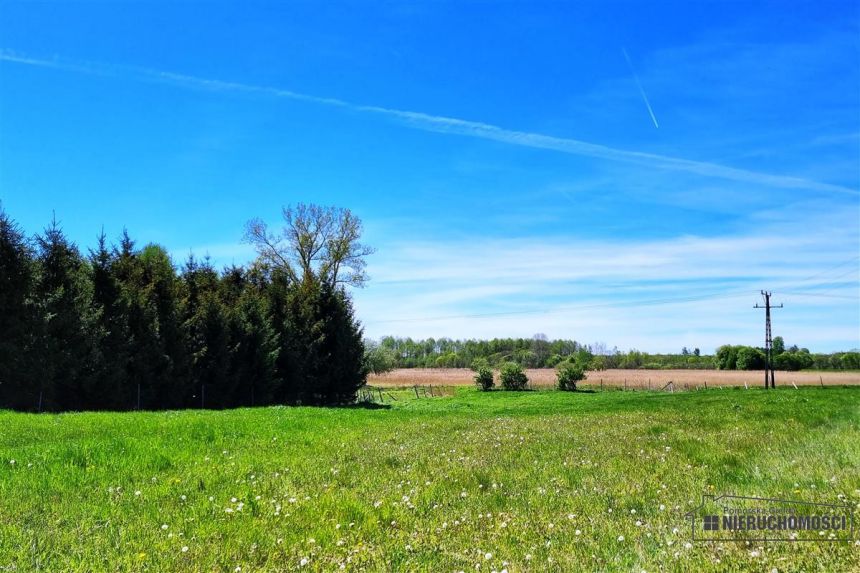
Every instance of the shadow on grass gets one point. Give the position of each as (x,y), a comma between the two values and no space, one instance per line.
(363,406)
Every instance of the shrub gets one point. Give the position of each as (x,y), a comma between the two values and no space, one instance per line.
(512,376)
(484,378)
(479,363)
(568,375)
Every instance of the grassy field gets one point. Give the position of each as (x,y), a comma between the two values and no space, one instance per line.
(639,379)
(528,481)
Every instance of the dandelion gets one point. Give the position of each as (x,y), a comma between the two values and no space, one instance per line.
(662,507)
(578,532)
(185,549)
(303,562)
(620,538)
(11,462)
(164,526)
(754,553)
(137,493)
(688,545)
(182,497)
(632,511)
(528,556)
(488,556)
(638,523)
(570,516)
(377,504)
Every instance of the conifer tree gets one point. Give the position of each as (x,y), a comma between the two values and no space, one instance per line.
(17,317)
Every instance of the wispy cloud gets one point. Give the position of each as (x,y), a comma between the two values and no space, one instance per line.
(443,124)
(689,290)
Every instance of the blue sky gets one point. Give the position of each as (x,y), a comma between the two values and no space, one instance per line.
(516,172)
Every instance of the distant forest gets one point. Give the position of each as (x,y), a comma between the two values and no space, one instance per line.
(539,352)
(120,327)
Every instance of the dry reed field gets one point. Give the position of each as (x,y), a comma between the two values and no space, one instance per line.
(644,379)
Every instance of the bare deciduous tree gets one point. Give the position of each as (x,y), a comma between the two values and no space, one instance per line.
(320,243)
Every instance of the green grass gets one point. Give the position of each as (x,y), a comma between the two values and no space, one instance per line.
(427,485)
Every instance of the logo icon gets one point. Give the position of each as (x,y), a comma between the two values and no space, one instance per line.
(740,518)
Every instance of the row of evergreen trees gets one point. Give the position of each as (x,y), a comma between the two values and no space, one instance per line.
(121,328)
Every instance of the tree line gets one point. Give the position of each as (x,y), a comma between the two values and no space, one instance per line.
(122,327)
(539,352)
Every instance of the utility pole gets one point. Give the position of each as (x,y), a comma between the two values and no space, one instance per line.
(768,340)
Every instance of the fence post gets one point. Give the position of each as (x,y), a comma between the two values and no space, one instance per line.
(416,391)
(40,401)
(820,379)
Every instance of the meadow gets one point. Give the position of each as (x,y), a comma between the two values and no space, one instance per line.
(497,481)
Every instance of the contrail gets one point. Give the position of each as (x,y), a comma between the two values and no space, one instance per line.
(442,124)
(641,89)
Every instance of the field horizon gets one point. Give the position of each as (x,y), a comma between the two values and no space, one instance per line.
(639,379)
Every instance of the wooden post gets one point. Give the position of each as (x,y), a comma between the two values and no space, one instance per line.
(40,401)
(416,391)
(706,384)
(431,390)
(601,383)
(820,379)
(746,386)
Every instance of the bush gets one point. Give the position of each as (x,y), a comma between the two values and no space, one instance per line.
(484,378)
(568,375)
(512,376)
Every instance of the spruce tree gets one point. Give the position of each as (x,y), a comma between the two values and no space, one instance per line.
(17,318)
(66,343)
